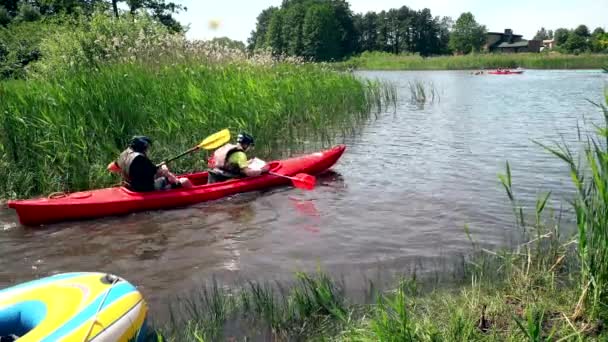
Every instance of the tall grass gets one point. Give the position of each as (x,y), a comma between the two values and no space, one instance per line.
(386,61)
(59,133)
(315,304)
(590,177)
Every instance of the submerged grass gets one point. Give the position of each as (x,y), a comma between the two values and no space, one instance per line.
(422,93)
(387,61)
(548,288)
(58,134)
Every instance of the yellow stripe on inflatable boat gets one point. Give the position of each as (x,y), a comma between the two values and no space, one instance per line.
(73,307)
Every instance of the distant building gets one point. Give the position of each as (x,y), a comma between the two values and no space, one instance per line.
(508,42)
(549,44)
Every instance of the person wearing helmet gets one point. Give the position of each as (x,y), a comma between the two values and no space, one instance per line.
(231,161)
(140,174)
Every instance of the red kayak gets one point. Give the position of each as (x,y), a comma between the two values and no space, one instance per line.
(120,200)
(506,72)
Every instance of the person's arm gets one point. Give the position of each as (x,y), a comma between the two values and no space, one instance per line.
(240,158)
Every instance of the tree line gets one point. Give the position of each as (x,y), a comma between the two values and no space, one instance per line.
(328,30)
(324,30)
(32,10)
(578,40)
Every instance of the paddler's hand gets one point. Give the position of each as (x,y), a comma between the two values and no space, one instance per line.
(266,168)
(163,170)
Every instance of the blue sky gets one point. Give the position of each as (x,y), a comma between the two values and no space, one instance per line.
(237,18)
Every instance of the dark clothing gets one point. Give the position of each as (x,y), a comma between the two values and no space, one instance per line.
(142,174)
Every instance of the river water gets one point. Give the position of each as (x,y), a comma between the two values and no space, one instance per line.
(398,199)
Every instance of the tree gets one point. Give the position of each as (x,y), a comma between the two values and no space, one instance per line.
(28,12)
(5,16)
(598,31)
(445,26)
(576,43)
(561,36)
(293,23)
(258,36)
(467,35)
(229,43)
(541,34)
(320,34)
(550,34)
(347,35)
(274,35)
(368,31)
(11,6)
(582,31)
(159,9)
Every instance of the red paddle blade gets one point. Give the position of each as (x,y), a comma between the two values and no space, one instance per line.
(304,181)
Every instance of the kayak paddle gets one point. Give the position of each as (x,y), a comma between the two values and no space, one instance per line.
(211,142)
(301,180)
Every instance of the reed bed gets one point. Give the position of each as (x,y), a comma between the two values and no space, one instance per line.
(59,133)
(386,61)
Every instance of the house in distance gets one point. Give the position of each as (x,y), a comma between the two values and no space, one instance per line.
(508,42)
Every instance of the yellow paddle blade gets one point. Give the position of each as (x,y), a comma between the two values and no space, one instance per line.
(215,140)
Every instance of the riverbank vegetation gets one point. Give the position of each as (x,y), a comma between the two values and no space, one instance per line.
(550,287)
(100,79)
(387,61)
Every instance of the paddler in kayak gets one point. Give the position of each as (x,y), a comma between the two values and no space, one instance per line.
(230,161)
(140,174)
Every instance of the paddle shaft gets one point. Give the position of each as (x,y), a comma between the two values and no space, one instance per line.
(196,148)
(280,175)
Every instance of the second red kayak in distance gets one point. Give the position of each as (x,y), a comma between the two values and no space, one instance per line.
(506,72)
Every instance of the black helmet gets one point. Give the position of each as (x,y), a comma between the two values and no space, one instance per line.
(245,139)
(140,143)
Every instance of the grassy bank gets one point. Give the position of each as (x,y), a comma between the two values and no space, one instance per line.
(549,288)
(59,133)
(386,61)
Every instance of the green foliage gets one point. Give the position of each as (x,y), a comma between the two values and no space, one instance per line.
(293,25)
(257,41)
(403,30)
(317,29)
(320,34)
(467,35)
(541,34)
(58,133)
(228,43)
(561,36)
(27,12)
(591,206)
(21,45)
(386,61)
(274,35)
(5,16)
(576,43)
(90,41)
(582,30)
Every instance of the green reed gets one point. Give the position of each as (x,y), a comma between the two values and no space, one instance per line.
(386,61)
(58,134)
(315,304)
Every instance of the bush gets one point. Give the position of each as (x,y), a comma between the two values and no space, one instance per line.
(28,12)
(5,17)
